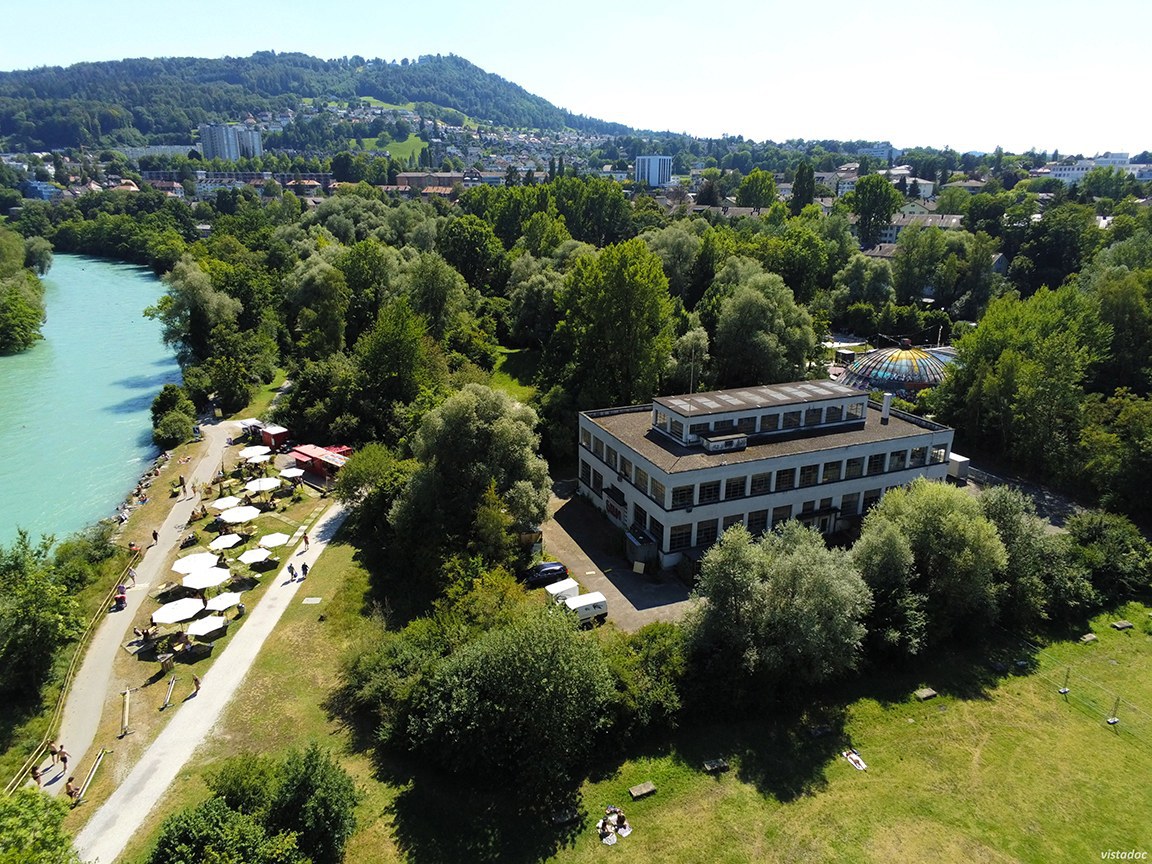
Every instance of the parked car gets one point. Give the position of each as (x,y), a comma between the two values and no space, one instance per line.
(544,573)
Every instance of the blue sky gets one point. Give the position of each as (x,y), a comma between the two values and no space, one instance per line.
(971,75)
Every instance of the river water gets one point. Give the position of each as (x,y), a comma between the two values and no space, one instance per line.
(75,425)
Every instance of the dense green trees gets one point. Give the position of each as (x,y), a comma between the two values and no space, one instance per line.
(32,829)
(762,336)
(874,200)
(21,294)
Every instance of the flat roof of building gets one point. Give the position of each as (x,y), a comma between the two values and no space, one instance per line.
(746,398)
(633,427)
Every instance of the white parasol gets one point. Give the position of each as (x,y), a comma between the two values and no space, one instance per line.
(255,450)
(239,514)
(262,484)
(198,561)
(178,610)
(209,578)
(254,556)
(224,601)
(292,473)
(271,541)
(204,626)
(225,541)
(226,503)
(258,460)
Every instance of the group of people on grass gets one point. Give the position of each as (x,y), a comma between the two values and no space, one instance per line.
(613,825)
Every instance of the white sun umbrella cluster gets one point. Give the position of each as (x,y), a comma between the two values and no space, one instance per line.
(237,515)
(223,601)
(271,541)
(198,561)
(225,503)
(262,484)
(255,450)
(209,577)
(254,556)
(178,610)
(225,541)
(207,625)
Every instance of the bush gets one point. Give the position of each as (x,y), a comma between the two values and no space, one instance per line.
(174,428)
(316,798)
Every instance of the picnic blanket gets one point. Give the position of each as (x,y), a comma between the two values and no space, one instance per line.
(854,760)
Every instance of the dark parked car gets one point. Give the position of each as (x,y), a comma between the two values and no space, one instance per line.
(543,574)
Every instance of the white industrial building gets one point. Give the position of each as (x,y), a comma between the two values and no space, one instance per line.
(675,474)
(653,170)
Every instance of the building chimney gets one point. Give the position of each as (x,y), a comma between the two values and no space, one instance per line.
(886,410)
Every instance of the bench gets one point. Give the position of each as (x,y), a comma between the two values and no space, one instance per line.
(1122,625)
(925,693)
(715,766)
(1087,638)
(642,790)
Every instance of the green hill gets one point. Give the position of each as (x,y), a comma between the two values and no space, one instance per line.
(157,101)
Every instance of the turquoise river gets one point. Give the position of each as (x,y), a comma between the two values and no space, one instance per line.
(75,426)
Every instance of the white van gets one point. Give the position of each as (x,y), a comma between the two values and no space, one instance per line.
(562,590)
(589,608)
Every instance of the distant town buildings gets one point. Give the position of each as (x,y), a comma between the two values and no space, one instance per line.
(229,141)
(1073,172)
(653,170)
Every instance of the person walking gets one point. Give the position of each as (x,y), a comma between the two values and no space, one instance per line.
(35,772)
(62,755)
(71,789)
(53,751)
(305,542)
(291,572)
(196,683)
(303,571)
(155,536)
(132,575)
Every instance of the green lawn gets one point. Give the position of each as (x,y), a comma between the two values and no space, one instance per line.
(403,149)
(515,370)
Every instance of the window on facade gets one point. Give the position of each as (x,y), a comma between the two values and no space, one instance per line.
(723,427)
(639,516)
(709,492)
(761,483)
(870,499)
(785,479)
(854,468)
(597,481)
(658,491)
(831,472)
(758,522)
(897,460)
(919,457)
(680,538)
(706,533)
(855,410)
(876,463)
(850,504)
(808,507)
(833,414)
(939,454)
(682,496)
(610,457)
(791,419)
(734,519)
(734,487)
(586,437)
(781,514)
(598,448)
(809,475)
(813,416)
(656,529)
(642,479)
(626,467)
(825,503)
(677,430)
(698,429)
(661,420)
(769,422)
(585,472)
(747,425)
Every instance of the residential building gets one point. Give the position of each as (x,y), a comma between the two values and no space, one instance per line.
(41,190)
(229,141)
(653,170)
(676,473)
(891,232)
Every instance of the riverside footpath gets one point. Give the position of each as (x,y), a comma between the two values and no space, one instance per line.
(103,839)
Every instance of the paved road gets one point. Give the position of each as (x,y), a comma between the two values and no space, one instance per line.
(582,538)
(89,691)
(108,832)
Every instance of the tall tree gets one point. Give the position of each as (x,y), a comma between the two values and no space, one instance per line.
(874,201)
(758,189)
(763,336)
(803,188)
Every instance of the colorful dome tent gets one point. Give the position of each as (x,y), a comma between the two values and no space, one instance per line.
(903,370)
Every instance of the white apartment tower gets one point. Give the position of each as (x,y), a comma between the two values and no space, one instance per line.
(654,170)
(229,142)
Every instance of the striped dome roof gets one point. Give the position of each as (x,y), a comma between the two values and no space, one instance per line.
(899,370)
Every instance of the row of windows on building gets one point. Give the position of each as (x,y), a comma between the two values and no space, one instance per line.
(765,423)
(760,483)
(706,531)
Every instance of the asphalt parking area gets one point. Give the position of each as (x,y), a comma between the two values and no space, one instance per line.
(583,538)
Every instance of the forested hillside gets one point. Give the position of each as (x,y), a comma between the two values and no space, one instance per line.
(141,101)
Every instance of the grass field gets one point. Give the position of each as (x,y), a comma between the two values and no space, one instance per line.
(515,370)
(999,767)
(414,146)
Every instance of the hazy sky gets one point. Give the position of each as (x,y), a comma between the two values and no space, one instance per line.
(971,75)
